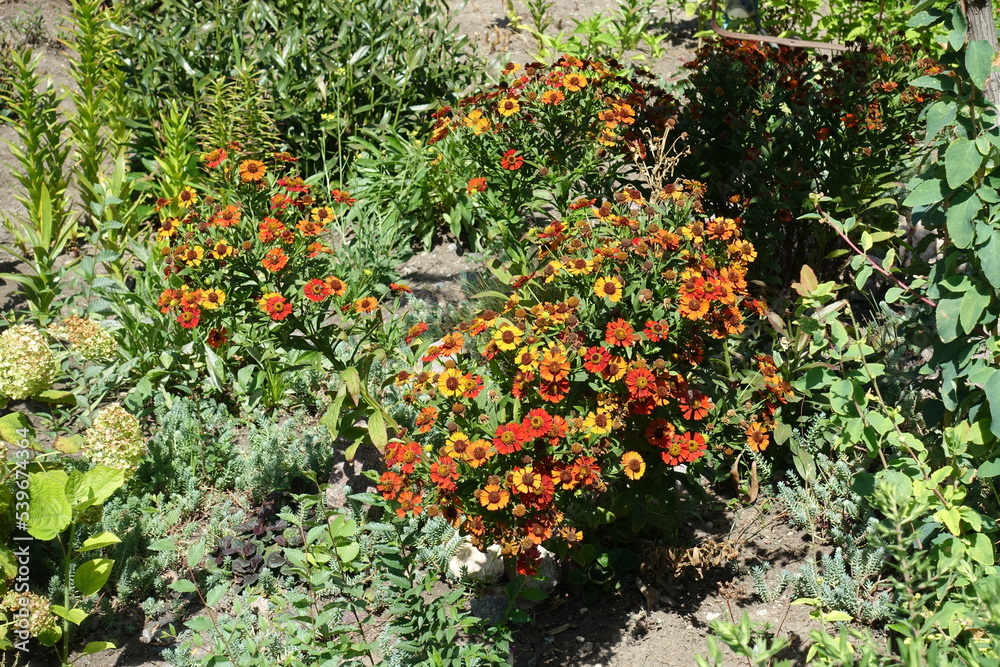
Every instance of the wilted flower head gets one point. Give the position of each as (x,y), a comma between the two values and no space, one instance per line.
(115,440)
(40,617)
(27,365)
(90,341)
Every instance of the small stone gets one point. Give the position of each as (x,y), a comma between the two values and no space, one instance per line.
(452,247)
(550,639)
(712,615)
(580,639)
(710,524)
(588,647)
(583,610)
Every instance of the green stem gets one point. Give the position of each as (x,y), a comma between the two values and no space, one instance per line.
(67,588)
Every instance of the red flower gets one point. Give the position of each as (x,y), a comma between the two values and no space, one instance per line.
(596,359)
(509,438)
(189,317)
(444,472)
(656,330)
(693,446)
(415,331)
(693,404)
(343,197)
(404,454)
(399,287)
(214,158)
(511,160)
(316,290)
(217,338)
(537,423)
(390,484)
(553,392)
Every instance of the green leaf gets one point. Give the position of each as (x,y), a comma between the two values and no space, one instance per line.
(989,469)
(49,509)
(213,597)
(946,316)
(989,258)
(348,552)
(992,389)
(974,302)
(961,161)
(97,647)
(99,541)
(979,62)
(981,549)
(74,616)
(927,192)
(962,209)
(353,381)
(841,396)
(183,586)
(15,429)
(53,396)
(92,575)
(164,544)
(376,430)
(97,486)
(951,518)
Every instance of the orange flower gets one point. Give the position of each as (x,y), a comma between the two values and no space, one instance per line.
(640,383)
(537,423)
(693,307)
(476,184)
(275,305)
(275,260)
(633,464)
(336,285)
(408,503)
(757,437)
(426,418)
(215,157)
(252,171)
(365,304)
(694,404)
(553,97)
(574,82)
(479,452)
(492,497)
(416,330)
(693,446)
(269,230)
(309,227)
(390,484)
(620,333)
(526,480)
(615,370)
(554,366)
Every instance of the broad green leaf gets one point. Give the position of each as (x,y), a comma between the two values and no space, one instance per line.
(99,541)
(946,316)
(376,430)
(348,552)
(950,517)
(979,62)
(841,396)
(164,544)
(56,397)
(74,616)
(989,258)
(961,161)
(97,647)
(97,486)
(213,597)
(989,469)
(183,586)
(974,302)
(92,575)
(981,549)
(49,511)
(927,192)
(16,430)
(962,209)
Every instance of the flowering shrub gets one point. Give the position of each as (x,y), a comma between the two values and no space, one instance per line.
(27,365)
(768,127)
(249,262)
(548,134)
(592,384)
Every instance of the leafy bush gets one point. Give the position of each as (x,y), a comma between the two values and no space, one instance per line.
(606,373)
(770,127)
(330,68)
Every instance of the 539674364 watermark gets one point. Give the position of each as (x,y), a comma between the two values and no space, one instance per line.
(21,540)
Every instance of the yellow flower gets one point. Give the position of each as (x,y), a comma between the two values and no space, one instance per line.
(187,197)
(598,423)
(449,383)
(527,358)
(212,299)
(633,464)
(609,288)
(476,122)
(508,106)
(507,337)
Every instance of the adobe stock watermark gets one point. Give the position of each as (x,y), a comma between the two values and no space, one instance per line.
(22,540)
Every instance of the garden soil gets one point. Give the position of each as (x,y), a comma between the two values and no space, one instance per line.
(659,619)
